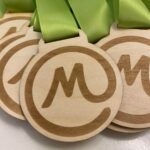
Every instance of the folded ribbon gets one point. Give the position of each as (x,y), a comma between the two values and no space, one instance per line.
(94,17)
(59,19)
(35,22)
(147,3)
(16,6)
(55,19)
(132,13)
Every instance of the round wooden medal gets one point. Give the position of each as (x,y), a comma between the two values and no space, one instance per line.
(121,129)
(70,92)
(12,23)
(130,49)
(13,60)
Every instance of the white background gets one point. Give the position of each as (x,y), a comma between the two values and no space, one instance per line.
(19,135)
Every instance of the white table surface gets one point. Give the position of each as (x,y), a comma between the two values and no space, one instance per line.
(19,135)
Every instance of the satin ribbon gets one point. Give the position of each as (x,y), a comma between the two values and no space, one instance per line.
(2,8)
(147,3)
(16,6)
(56,20)
(60,19)
(33,18)
(35,22)
(94,17)
(132,13)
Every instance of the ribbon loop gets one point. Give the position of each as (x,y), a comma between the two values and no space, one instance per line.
(56,20)
(16,6)
(94,17)
(133,13)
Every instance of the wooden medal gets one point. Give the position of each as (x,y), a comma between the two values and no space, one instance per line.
(13,60)
(130,49)
(12,23)
(71,90)
(121,129)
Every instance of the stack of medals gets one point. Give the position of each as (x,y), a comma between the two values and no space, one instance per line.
(68,83)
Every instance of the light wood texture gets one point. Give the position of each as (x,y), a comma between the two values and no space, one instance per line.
(12,23)
(71,90)
(130,49)
(14,56)
(121,129)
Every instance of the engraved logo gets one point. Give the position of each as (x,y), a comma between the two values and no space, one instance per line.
(10,31)
(16,78)
(135,66)
(68,86)
(9,82)
(142,67)
(10,25)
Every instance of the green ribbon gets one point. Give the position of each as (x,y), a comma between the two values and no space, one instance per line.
(94,17)
(33,18)
(35,22)
(16,6)
(59,19)
(147,3)
(56,20)
(132,13)
(2,8)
